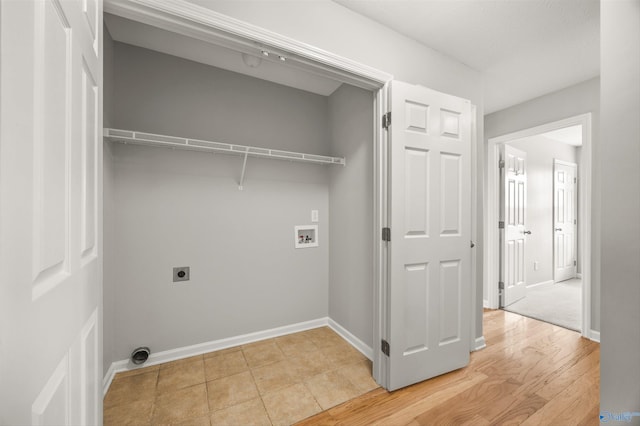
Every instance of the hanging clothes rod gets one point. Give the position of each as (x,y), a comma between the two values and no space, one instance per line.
(142,138)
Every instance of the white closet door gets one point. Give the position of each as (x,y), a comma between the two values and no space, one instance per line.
(565,221)
(429,291)
(514,213)
(50,183)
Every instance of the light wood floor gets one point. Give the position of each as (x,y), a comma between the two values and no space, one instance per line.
(530,373)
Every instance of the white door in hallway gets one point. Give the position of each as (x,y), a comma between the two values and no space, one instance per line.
(429,291)
(50,212)
(565,178)
(514,215)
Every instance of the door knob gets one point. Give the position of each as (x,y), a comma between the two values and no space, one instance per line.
(558,229)
(527,232)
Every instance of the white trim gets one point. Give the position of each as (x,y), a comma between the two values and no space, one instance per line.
(566,163)
(108,377)
(379,108)
(480,343)
(381,220)
(491,239)
(585,189)
(214,345)
(199,22)
(579,275)
(362,347)
(541,283)
(473,343)
(485,304)
(594,335)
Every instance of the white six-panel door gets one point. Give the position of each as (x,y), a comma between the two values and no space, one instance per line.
(514,214)
(429,290)
(50,183)
(564,220)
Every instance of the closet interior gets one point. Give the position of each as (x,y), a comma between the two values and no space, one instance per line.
(228,164)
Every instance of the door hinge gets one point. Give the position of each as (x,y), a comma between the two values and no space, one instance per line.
(384,347)
(575,263)
(386,120)
(500,285)
(575,221)
(501,164)
(386,234)
(501,225)
(473,244)
(575,180)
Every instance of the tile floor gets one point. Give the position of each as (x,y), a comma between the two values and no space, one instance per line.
(274,382)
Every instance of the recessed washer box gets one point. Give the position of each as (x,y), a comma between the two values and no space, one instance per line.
(306,236)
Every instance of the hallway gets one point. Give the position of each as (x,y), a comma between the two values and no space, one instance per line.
(557,303)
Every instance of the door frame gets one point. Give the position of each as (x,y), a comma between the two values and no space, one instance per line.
(213,27)
(557,162)
(491,233)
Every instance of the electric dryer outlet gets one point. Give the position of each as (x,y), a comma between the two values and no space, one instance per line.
(181,273)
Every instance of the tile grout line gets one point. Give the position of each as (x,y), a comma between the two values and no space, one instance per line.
(304,383)
(206,390)
(265,409)
(256,385)
(155,396)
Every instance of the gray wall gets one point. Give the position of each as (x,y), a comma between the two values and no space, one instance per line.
(351,212)
(575,100)
(620,65)
(541,152)
(334,28)
(108,208)
(177,208)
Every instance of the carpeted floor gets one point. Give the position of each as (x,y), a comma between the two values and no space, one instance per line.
(558,303)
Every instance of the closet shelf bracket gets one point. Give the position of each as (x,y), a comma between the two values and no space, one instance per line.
(244,168)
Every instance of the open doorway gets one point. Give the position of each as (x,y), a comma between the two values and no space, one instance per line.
(544,271)
(539,202)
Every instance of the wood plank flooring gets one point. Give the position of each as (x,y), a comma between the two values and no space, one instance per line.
(530,373)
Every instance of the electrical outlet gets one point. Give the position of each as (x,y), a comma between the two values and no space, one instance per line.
(181,273)
(314,216)
(536,265)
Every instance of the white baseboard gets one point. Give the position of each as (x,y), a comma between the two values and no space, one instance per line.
(353,340)
(215,345)
(108,378)
(485,304)
(480,343)
(540,283)
(594,335)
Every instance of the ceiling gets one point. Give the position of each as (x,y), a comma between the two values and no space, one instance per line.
(268,68)
(524,48)
(570,135)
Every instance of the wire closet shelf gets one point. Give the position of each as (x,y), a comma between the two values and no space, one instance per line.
(142,138)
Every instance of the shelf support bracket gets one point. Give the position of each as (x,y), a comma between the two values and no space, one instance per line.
(244,167)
